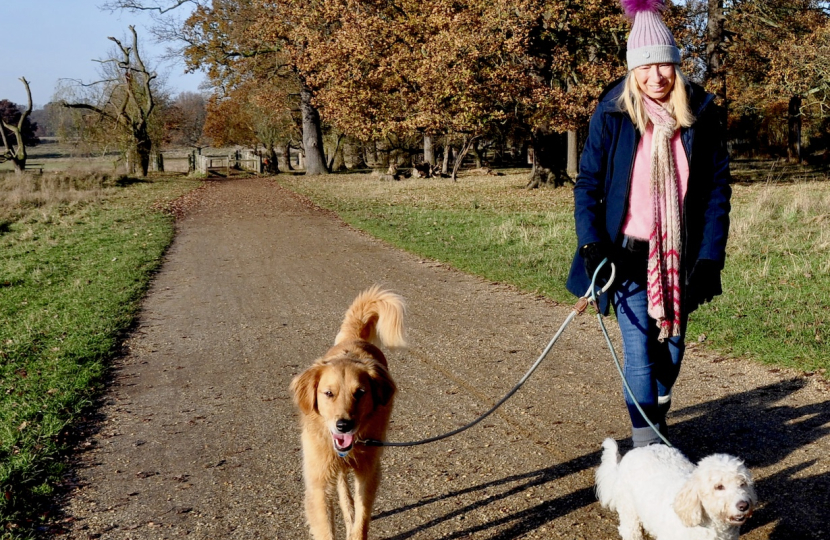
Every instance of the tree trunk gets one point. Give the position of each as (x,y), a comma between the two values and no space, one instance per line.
(372,154)
(272,162)
(573,154)
(469,142)
(429,152)
(549,160)
(445,163)
(284,157)
(476,156)
(337,161)
(143,148)
(18,157)
(794,129)
(714,54)
(353,154)
(315,160)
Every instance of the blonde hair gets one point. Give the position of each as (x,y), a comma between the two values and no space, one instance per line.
(631,101)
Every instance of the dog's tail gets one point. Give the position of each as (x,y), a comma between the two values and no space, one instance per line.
(376,316)
(606,476)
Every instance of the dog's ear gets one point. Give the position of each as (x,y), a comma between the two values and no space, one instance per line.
(687,503)
(304,387)
(383,387)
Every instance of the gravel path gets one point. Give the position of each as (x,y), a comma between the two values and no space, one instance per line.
(198,436)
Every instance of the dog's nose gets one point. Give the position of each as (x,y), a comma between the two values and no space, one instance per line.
(743,506)
(344,426)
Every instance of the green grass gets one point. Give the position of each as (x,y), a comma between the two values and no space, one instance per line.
(776,308)
(73,269)
(776,305)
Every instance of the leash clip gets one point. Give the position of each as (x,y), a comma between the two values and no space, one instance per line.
(581,305)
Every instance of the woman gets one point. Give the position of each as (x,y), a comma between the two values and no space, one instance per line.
(652,196)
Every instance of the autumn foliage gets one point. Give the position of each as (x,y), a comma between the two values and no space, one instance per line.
(454,70)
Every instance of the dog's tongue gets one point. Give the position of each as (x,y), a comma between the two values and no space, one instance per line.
(343,440)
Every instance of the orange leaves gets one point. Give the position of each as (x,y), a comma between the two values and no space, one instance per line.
(436,65)
(378,67)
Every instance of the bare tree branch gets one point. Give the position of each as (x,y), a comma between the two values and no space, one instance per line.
(126,99)
(18,156)
(134,5)
(88,107)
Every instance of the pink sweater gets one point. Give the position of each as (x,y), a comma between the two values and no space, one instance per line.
(640,217)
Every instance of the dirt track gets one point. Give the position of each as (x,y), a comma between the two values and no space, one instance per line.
(198,436)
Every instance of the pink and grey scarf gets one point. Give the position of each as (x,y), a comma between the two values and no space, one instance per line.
(664,243)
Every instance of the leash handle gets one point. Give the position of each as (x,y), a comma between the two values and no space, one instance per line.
(592,291)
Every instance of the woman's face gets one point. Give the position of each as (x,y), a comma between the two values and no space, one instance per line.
(655,80)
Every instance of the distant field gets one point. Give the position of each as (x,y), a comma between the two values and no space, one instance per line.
(52,155)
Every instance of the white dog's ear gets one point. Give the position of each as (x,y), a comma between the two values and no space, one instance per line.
(687,503)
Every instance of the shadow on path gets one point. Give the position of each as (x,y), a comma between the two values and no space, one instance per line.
(750,425)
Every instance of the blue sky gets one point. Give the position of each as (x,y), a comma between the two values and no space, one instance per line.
(60,38)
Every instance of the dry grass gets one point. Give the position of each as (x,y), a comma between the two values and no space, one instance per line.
(791,219)
(487,225)
(23,194)
(496,193)
(776,301)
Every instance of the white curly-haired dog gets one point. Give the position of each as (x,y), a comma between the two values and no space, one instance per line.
(658,489)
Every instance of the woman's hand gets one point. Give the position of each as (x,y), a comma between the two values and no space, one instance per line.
(704,281)
(593,254)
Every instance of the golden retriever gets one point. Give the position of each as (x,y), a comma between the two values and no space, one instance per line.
(344,397)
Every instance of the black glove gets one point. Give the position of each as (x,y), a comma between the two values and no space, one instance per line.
(593,254)
(704,282)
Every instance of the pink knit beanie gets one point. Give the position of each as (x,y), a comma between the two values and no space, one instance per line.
(650,41)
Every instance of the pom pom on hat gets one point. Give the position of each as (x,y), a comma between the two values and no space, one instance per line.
(650,41)
(632,7)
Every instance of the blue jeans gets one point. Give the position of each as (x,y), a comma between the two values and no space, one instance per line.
(651,367)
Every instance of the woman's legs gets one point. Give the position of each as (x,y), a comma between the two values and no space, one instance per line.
(651,367)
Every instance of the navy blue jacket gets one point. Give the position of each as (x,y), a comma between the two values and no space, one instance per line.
(601,193)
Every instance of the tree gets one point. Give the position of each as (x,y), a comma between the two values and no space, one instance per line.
(11,113)
(443,68)
(186,120)
(245,117)
(716,40)
(577,47)
(19,128)
(46,119)
(126,99)
(234,42)
(800,69)
(760,76)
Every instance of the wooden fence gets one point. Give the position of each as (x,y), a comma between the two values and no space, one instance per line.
(243,160)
